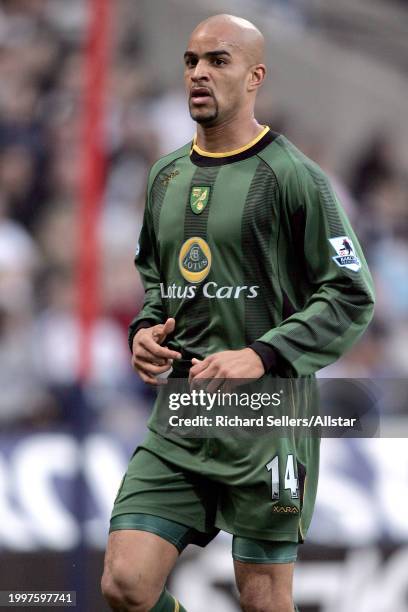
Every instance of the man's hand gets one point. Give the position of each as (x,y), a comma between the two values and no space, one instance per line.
(244,364)
(150,358)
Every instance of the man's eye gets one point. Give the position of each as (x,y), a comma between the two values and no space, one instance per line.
(190,63)
(218,61)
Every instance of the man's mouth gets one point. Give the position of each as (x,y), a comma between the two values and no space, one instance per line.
(200,95)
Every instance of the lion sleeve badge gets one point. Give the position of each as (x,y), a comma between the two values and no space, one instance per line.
(345,253)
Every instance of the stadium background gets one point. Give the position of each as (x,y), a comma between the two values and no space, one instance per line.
(91,94)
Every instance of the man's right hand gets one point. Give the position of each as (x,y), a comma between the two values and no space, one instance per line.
(150,358)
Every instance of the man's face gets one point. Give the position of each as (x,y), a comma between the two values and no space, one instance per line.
(215,77)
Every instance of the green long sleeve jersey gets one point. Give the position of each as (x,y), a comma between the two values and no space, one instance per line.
(252,248)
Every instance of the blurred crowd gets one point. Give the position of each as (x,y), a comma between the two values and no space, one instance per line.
(42,54)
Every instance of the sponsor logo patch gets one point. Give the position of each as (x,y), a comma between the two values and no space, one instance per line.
(167,177)
(199,197)
(346,256)
(210,290)
(195,260)
(285,510)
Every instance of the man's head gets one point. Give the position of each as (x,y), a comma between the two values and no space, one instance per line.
(223,68)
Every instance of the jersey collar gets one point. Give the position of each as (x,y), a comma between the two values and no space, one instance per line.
(199,157)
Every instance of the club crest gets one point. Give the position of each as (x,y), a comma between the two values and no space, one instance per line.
(199,199)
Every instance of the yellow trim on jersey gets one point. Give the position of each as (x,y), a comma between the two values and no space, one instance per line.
(176,605)
(301,516)
(234,151)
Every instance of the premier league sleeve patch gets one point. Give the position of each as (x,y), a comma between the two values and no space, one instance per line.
(346,256)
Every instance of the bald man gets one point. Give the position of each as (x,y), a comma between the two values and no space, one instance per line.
(245,278)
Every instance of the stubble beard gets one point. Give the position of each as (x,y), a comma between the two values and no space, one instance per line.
(208,119)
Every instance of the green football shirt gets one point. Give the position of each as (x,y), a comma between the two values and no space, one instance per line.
(252,248)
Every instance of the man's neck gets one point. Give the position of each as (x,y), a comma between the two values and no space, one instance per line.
(227,136)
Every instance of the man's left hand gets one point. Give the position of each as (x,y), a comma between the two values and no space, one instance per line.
(243,364)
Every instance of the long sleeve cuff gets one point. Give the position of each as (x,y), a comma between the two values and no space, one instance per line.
(144,323)
(267,354)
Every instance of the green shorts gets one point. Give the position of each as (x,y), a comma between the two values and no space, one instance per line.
(189,507)
(243,549)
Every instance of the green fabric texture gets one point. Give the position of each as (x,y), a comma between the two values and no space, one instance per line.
(177,534)
(259,551)
(184,495)
(168,603)
(209,495)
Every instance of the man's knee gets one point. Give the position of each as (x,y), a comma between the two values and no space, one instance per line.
(125,590)
(137,564)
(266,601)
(261,595)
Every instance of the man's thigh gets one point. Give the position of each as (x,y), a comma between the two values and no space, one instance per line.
(139,559)
(265,586)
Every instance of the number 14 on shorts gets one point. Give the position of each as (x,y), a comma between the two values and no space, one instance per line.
(291,481)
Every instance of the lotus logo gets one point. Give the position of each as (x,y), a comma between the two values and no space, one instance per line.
(195,260)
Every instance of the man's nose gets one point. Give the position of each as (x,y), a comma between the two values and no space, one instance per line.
(200,72)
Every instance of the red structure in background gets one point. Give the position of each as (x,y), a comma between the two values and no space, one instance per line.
(93,176)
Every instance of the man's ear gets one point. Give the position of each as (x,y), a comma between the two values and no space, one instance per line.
(256,77)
